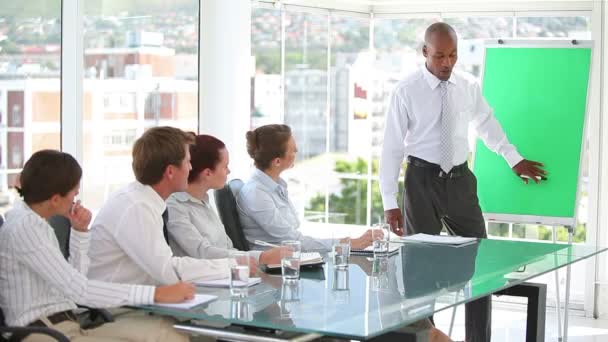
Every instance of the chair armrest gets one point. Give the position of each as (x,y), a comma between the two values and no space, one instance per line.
(95,317)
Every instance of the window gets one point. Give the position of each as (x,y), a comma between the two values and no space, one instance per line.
(266,87)
(120,139)
(577,27)
(349,133)
(472,31)
(30,57)
(141,66)
(398,46)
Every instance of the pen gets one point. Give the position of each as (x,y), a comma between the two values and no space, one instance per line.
(537,177)
(264,243)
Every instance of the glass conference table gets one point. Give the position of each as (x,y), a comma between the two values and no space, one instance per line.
(376,296)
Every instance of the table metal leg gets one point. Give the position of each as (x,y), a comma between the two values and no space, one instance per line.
(537,305)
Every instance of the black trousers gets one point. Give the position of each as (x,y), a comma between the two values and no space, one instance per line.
(432,200)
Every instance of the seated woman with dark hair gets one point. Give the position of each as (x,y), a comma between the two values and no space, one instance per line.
(195,229)
(39,287)
(265,210)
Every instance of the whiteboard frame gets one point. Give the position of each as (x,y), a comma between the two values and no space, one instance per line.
(542,43)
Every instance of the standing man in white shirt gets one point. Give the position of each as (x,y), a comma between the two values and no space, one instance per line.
(427,121)
(129,233)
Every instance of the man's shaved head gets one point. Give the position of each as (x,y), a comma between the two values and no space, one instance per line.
(440,50)
(441,29)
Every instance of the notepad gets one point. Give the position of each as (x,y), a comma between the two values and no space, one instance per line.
(197,300)
(447,240)
(306,259)
(225,282)
(393,248)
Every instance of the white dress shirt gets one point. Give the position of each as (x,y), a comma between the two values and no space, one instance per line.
(37,281)
(129,245)
(413,125)
(196,230)
(267,214)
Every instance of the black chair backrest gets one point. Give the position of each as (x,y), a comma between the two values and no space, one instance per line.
(225,200)
(62,227)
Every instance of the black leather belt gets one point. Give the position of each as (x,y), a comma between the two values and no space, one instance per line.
(455,172)
(56,318)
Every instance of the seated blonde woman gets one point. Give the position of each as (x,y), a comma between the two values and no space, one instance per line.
(195,230)
(265,210)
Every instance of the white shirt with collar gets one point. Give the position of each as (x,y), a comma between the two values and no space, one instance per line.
(413,125)
(267,214)
(196,230)
(129,245)
(36,280)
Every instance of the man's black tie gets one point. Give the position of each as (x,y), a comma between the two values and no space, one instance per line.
(165,220)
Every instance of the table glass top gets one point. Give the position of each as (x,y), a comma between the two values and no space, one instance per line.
(372,297)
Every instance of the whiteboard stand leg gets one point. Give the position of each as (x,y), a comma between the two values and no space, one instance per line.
(567,294)
(557,306)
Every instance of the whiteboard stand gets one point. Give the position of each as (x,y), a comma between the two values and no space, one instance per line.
(569,222)
(558,309)
(567,295)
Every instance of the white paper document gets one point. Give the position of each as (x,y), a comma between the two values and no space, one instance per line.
(197,300)
(308,258)
(225,282)
(447,240)
(393,248)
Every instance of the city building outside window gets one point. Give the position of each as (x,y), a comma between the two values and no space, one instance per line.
(30,58)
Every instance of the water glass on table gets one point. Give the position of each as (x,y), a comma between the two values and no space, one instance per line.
(290,260)
(341,251)
(239,309)
(341,279)
(239,274)
(290,297)
(380,239)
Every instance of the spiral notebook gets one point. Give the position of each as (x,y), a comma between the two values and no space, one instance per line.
(306,259)
(393,248)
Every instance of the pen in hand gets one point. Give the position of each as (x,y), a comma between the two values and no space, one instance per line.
(264,243)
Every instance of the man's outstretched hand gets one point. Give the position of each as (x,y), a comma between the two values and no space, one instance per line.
(528,169)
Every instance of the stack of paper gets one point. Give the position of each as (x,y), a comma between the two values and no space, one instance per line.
(393,248)
(447,240)
(310,258)
(225,282)
(197,300)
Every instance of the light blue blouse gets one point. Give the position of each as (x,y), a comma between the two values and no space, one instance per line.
(267,214)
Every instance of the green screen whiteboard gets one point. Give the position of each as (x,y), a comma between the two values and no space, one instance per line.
(539,96)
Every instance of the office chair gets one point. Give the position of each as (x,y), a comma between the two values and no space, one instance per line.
(62,227)
(225,200)
(9,334)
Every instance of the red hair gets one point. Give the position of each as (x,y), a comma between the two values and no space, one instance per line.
(204,154)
